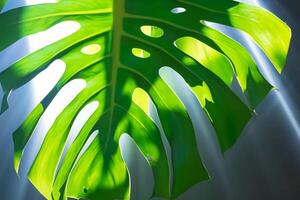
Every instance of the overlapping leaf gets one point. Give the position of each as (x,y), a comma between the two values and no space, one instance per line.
(121,46)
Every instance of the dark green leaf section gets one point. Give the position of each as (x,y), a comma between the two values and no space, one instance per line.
(121,46)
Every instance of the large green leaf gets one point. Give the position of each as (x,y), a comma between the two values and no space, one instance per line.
(121,46)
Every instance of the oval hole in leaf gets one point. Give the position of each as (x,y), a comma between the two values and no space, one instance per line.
(152,31)
(140,53)
(91,49)
(178,10)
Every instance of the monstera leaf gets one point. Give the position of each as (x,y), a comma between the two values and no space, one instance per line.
(118,48)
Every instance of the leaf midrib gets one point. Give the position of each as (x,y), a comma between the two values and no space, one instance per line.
(118,15)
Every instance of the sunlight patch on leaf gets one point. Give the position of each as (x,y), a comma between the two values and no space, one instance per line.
(206,56)
(141,98)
